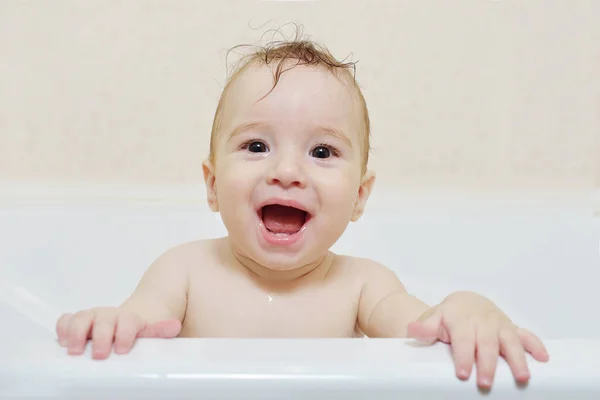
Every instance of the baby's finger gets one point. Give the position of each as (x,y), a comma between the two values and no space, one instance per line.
(462,341)
(62,329)
(79,330)
(514,353)
(163,329)
(488,351)
(128,327)
(103,331)
(533,345)
(426,330)
(422,332)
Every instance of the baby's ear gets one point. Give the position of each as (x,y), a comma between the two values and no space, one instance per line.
(211,185)
(364,191)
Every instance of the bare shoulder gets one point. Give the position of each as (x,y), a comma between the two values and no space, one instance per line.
(385,307)
(189,254)
(173,266)
(162,290)
(368,271)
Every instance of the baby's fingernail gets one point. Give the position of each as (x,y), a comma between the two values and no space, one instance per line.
(463,373)
(62,342)
(485,382)
(524,375)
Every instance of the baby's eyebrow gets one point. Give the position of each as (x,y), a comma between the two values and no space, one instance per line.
(336,133)
(242,127)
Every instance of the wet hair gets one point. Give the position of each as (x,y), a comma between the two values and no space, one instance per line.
(288,54)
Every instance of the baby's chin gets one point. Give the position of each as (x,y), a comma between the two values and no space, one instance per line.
(281,266)
(285,262)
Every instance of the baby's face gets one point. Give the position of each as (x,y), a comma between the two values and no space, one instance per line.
(287,173)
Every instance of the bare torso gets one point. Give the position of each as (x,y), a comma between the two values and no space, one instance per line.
(226,299)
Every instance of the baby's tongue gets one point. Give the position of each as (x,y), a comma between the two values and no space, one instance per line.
(281,219)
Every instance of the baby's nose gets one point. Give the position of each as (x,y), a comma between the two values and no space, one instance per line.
(287,172)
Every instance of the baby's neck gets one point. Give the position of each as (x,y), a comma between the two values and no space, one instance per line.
(316,270)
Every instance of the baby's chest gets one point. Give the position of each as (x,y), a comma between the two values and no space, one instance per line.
(245,310)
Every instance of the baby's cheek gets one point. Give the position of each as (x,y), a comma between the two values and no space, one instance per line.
(234,180)
(342,201)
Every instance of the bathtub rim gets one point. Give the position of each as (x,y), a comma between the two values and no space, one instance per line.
(161,363)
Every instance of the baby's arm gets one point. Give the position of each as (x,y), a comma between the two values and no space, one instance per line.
(156,308)
(386,308)
(162,292)
(477,329)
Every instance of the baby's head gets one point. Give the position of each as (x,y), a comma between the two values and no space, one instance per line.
(289,147)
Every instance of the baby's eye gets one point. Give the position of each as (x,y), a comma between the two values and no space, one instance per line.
(256,147)
(322,151)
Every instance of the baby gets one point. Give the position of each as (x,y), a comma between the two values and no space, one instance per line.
(287,171)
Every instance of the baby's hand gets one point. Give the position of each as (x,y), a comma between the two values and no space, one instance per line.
(103,325)
(476,328)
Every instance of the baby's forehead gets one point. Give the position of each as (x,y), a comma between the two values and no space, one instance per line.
(301,93)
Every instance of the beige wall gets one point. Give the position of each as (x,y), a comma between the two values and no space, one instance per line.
(597,135)
(489,94)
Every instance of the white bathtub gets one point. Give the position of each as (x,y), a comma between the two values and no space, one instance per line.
(544,271)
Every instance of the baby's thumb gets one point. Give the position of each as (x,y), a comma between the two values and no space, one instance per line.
(163,329)
(427,328)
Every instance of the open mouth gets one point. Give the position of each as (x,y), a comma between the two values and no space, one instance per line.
(283,220)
